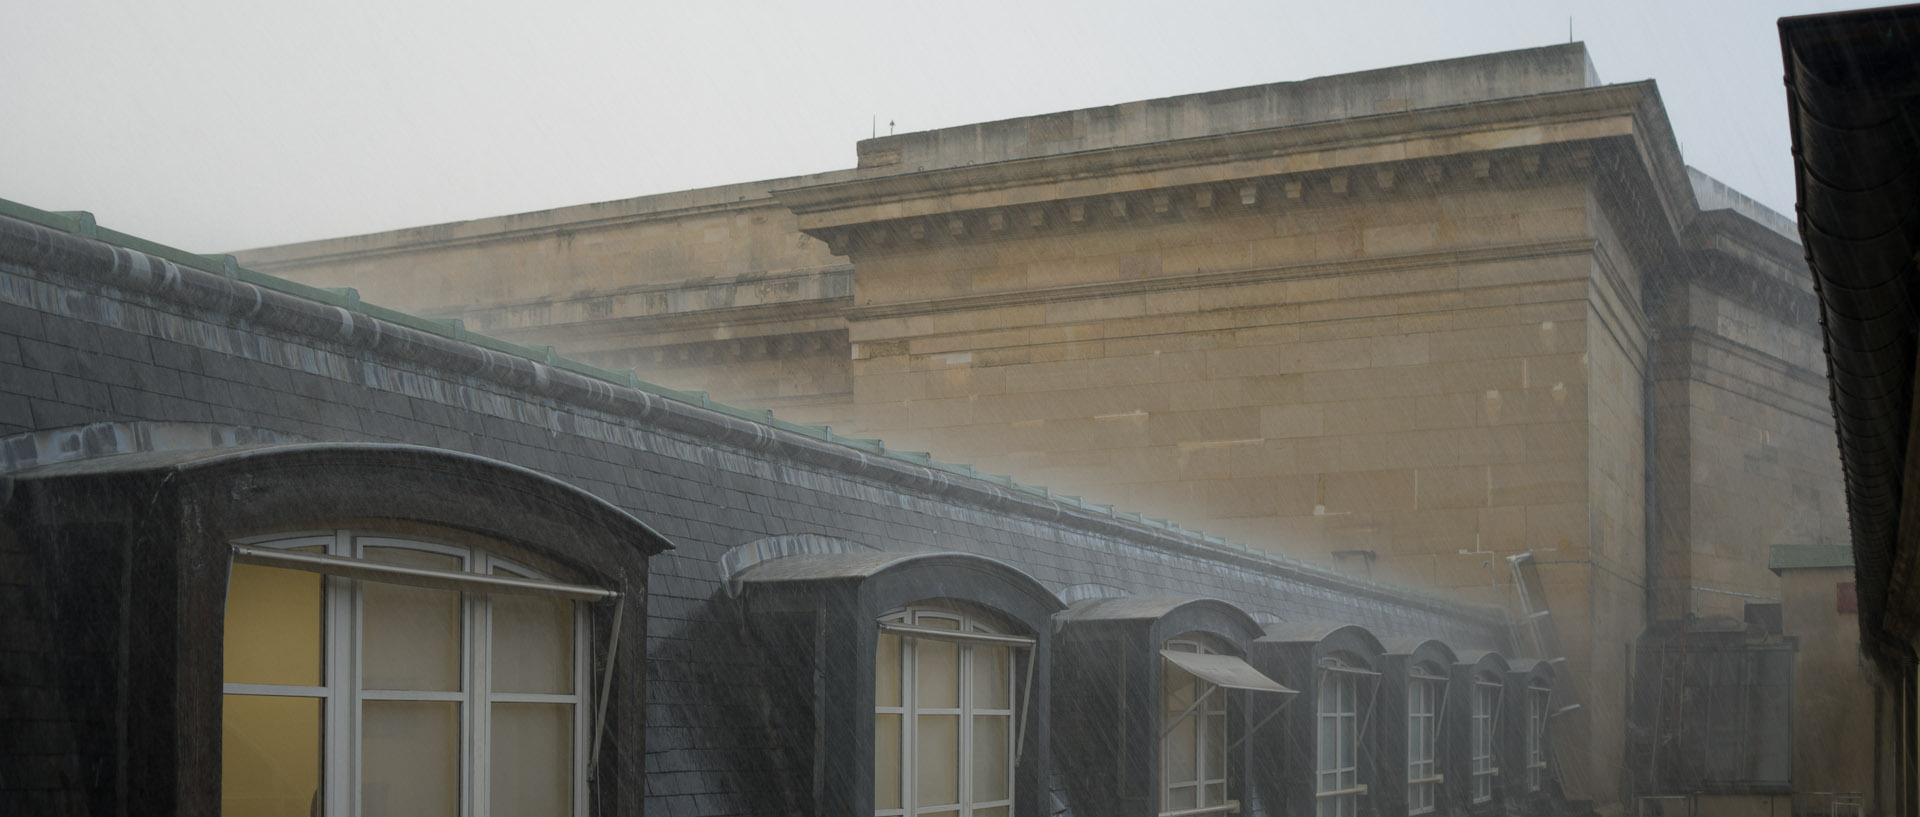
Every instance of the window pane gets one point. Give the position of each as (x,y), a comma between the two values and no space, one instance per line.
(270,756)
(1346,741)
(409,758)
(937,673)
(273,626)
(1180,751)
(990,677)
(1215,746)
(1216,794)
(532,644)
(992,741)
(1179,692)
(886,761)
(1180,797)
(532,761)
(886,671)
(937,759)
(937,621)
(409,636)
(996,811)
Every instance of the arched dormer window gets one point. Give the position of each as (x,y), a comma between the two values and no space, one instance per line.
(1473,747)
(944,725)
(132,509)
(1415,737)
(1155,693)
(1529,707)
(1330,757)
(926,638)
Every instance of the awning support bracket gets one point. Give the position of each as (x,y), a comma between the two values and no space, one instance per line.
(606,687)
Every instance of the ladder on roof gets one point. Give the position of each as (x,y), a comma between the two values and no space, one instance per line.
(1534,633)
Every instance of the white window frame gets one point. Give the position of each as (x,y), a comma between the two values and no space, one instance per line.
(904,622)
(1337,787)
(341,681)
(1425,692)
(1209,704)
(1486,714)
(1537,698)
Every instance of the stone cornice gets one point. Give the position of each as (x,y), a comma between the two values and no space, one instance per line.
(1731,234)
(538,224)
(1426,135)
(1220,278)
(697,302)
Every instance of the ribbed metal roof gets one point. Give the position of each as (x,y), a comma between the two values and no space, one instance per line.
(1853,107)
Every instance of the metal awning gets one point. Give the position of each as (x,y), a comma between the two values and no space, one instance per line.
(1226,671)
(416,576)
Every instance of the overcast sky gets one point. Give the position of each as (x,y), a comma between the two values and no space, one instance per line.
(216,125)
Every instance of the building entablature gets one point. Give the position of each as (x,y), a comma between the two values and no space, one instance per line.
(1501,142)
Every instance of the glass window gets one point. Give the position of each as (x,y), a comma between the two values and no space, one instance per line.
(943,723)
(358,697)
(1423,776)
(1486,706)
(1337,770)
(1193,756)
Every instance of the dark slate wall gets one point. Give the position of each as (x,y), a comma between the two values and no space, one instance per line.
(93,334)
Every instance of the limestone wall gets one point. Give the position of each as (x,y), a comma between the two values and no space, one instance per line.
(1763,449)
(1370,386)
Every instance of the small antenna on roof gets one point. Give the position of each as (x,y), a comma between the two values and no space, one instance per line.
(876,125)
(889,127)
(1569,28)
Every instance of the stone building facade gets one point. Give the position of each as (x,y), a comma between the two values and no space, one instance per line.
(240,518)
(1405,323)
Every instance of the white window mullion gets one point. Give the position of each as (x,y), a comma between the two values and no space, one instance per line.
(343,673)
(909,724)
(583,704)
(476,686)
(276,690)
(963,763)
(410,695)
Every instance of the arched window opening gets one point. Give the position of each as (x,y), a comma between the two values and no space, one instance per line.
(945,725)
(459,684)
(1487,692)
(1426,694)
(1193,744)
